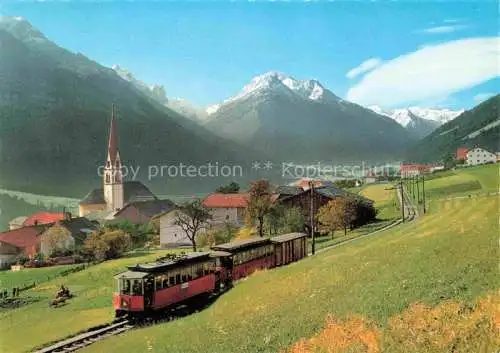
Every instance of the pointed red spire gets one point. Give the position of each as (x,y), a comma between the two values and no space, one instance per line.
(113,138)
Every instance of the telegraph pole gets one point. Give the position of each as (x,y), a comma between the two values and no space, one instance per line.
(311,187)
(418,192)
(402,201)
(423,190)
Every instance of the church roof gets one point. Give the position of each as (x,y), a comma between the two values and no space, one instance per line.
(132,191)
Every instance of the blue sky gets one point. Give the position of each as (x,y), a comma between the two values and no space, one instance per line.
(206,52)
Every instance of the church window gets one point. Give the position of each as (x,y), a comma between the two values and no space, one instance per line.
(108,179)
(107,164)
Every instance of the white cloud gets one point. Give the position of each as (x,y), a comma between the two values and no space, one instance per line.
(430,72)
(480,97)
(443,29)
(365,66)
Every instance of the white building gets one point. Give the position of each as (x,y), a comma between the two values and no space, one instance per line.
(172,235)
(477,156)
(227,208)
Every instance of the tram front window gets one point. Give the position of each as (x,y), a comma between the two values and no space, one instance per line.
(125,289)
(137,287)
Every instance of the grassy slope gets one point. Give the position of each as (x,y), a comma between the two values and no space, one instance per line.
(449,253)
(464,181)
(20,328)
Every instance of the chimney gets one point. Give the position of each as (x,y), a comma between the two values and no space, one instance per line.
(35,222)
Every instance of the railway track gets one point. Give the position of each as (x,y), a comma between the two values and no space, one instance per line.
(85,339)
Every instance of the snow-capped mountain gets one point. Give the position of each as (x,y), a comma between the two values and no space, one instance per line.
(419,121)
(279,83)
(298,120)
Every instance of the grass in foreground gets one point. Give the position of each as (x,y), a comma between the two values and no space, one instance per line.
(447,255)
(32,325)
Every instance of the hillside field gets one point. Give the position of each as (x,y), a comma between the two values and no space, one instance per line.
(20,328)
(394,292)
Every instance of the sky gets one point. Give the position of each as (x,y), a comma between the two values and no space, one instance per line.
(392,54)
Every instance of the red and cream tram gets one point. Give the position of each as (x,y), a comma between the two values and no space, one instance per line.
(168,281)
(156,285)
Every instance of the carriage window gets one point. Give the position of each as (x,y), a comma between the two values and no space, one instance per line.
(125,286)
(199,270)
(164,280)
(158,283)
(171,281)
(189,273)
(178,278)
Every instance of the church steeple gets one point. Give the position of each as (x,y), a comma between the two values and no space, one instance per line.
(113,176)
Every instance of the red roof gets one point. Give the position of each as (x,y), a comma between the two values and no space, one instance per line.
(226,200)
(43,218)
(462,153)
(22,237)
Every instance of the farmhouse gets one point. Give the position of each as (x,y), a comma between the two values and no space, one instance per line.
(25,239)
(477,156)
(115,193)
(227,208)
(8,253)
(43,218)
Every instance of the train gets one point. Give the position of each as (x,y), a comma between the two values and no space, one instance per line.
(144,289)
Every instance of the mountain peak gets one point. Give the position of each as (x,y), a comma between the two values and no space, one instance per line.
(21,28)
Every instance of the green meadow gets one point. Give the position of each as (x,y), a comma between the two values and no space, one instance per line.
(28,276)
(20,329)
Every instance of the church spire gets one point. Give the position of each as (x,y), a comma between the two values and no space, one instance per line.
(113,138)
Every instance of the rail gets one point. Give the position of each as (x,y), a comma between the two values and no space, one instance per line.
(85,339)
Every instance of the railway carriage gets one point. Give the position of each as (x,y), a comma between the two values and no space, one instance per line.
(289,248)
(247,256)
(157,285)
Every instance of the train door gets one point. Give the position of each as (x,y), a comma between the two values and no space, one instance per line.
(149,291)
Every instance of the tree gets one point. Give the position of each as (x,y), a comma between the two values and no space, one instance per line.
(259,203)
(192,216)
(140,234)
(56,238)
(293,220)
(107,244)
(231,188)
(274,219)
(338,213)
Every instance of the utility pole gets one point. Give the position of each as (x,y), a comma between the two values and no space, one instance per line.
(311,187)
(418,192)
(423,190)
(402,201)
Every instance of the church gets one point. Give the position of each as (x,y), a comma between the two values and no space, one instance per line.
(115,193)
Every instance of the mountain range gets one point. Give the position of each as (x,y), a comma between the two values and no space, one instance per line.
(419,121)
(301,120)
(55,108)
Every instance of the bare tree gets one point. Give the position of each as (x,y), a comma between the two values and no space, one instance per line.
(192,216)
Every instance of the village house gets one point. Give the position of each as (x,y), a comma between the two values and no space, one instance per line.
(28,241)
(65,234)
(141,212)
(320,196)
(115,193)
(461,154)
(409,170)
(477,156)
(43,217)
(171,235)
(227,208)
(8,254)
